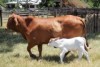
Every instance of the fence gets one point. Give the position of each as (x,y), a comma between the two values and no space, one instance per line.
(92,16)
(0,17)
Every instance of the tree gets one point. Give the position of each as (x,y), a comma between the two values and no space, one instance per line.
(96,3)
(47,3)
(2,2)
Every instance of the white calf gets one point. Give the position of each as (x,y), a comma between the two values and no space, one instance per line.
(76,43)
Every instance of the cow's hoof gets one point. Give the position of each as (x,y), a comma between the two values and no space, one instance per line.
(33,56)
(39,59)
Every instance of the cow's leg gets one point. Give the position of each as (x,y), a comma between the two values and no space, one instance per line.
(40,51)
(30,45)
(62,55)
(24,36)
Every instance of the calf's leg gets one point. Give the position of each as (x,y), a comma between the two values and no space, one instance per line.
(86,54)
(80,54)
(62,54)
(30,45)
(83,51)
(66,53)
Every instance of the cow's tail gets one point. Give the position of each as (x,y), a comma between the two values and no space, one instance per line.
(84,31)
(84,26)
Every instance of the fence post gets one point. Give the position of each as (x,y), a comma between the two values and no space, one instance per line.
(1,16)
(95,21)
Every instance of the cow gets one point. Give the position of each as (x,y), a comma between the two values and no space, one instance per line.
(38,31)
(72,44)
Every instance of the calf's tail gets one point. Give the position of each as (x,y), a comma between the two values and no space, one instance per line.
(86,45)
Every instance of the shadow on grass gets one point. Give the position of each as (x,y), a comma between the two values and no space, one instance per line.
(56,58)
(8,40)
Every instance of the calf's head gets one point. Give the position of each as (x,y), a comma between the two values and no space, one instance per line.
(53,42)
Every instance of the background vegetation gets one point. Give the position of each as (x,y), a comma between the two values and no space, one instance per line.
(92,3)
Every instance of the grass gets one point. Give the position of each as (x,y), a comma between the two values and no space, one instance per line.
(13,53)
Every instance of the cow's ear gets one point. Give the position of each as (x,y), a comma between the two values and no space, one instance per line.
(16,21)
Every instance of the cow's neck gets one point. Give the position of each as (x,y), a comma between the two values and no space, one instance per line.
(23,26)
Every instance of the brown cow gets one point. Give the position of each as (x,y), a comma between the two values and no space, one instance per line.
(38,31)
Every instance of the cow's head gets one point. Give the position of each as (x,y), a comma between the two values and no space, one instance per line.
(12,23)
(16,23)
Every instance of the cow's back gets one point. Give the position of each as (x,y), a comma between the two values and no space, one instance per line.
(72,26)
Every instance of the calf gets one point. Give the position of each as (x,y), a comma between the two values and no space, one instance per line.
(76,43)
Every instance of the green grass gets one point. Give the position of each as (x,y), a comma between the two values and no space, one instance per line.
(13,53)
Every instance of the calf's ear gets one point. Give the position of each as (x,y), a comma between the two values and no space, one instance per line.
(54,39)
(50,40)
(16,21)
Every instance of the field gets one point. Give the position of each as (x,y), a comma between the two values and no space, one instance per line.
(13,53)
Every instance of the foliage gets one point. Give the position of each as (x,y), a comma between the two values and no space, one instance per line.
(93,3)
(48,3)
(2,2)
(51,3)
(96,3)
